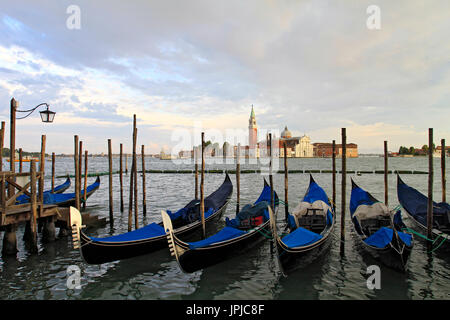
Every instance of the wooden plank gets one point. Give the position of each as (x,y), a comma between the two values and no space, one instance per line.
(19,187)
(12,200)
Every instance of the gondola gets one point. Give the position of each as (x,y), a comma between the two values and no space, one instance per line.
(380,229)
(61,188)
(416,207)
(58,189)
(310,229)
(152,236)
(66,199)
(247,229)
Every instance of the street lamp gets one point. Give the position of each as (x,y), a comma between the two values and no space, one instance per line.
(47,116)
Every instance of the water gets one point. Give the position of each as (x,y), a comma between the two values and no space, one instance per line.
(254,275)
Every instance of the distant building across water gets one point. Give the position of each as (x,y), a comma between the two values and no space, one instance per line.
(325,150)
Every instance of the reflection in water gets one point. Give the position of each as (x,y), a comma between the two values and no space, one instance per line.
(253,275)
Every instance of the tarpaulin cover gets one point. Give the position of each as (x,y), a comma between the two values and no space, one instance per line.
(383,237)
(258,208)
(213,202)
(300,237)
(149,231)
(314,193)
(360,197)
(25,199)
(417,204)
(226,233)
(56,198)
(231,231)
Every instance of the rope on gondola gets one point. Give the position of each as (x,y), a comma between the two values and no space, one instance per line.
(426,238)
(267,235)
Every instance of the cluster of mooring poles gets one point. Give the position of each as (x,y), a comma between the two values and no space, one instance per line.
(334,171)
(133,193)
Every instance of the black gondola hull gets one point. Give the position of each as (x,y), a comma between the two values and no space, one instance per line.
(71,202)
(64,188)
(293,259)
(420,228)
(442,244)
(391,256)
(98,252)
(200,258)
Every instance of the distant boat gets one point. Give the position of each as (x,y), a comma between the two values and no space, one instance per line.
(24,159)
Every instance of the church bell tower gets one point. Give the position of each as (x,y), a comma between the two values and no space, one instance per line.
(252,130)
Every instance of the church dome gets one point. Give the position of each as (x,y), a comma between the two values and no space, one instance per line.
(286,133)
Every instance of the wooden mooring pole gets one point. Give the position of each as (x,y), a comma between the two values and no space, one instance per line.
(111,205)
(202,185)
(12,143)
(430,185)
(130,199)
(272,204)
(286,198)
(135,186)
(333,177)
(20,160)
(77,172)
(33,218)
(444,182)
(144,197)
(238,177)
(121,177)
(196,171)
(2,144)
(85,178)
(41,177)
(344,182)
(386,187)
(53,171)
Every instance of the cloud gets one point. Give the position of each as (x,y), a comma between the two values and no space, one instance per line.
(311,65)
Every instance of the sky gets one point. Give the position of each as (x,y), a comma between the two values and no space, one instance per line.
(189,66)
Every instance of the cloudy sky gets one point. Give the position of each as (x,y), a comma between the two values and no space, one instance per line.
(314,66)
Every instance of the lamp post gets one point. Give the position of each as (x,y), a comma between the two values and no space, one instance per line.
(47,116)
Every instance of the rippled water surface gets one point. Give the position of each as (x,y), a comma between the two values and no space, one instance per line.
(254,275)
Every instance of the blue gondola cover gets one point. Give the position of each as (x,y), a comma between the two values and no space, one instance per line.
(226,233)
(383,237)
(149,231)
(301,237)
(55,198)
